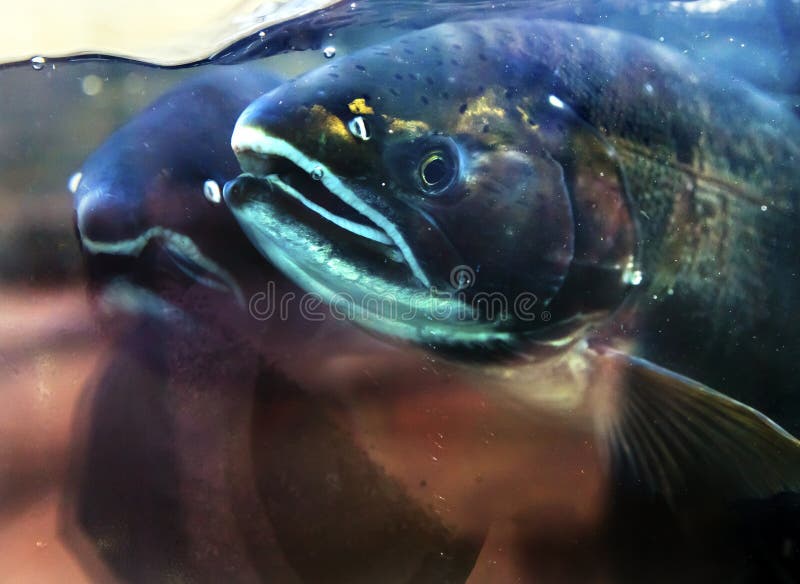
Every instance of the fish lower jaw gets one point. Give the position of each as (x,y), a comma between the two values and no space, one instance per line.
(404,314)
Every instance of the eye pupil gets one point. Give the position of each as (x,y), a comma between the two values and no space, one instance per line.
(435,171)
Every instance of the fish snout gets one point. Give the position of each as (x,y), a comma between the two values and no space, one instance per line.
(259,119)
(101,216)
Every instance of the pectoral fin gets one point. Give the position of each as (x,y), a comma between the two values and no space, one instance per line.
(681,439)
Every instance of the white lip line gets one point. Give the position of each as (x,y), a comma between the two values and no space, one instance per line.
(248,138)
(397,328)
(351,226)
(174,241)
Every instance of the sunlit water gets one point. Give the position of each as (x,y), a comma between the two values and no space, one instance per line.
(225,446)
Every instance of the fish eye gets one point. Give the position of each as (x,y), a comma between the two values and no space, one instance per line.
(436,171)
(427,166)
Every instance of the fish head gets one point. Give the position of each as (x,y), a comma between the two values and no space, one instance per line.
(417,192)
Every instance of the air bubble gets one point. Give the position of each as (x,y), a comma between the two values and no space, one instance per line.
(633,277)
(763,207)
(211,191)
(555,102)
(91,85)
(74,182)
(329,52)
(262,35)
(38,63)
(317,173)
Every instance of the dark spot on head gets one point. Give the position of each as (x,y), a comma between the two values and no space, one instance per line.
(334,75)
(408,51)
(424,100)
(437,48)
(398,76)
(429,80)
(462,108)
(685,140)
(404,41)
(531,122)
(361,67)
(455,62)
(481,89)
(486,129)
(439,62)
(394,92)
(445,95)
(482,57)
(423,483)
(456,46)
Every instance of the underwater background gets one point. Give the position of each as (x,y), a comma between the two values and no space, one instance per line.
(57,108)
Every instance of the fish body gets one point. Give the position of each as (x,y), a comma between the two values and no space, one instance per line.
(168,265)
(559,194)
(347,459)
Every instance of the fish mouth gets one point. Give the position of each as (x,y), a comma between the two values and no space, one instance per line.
(334,245)
(316,198)
(291,180)
(184,254)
